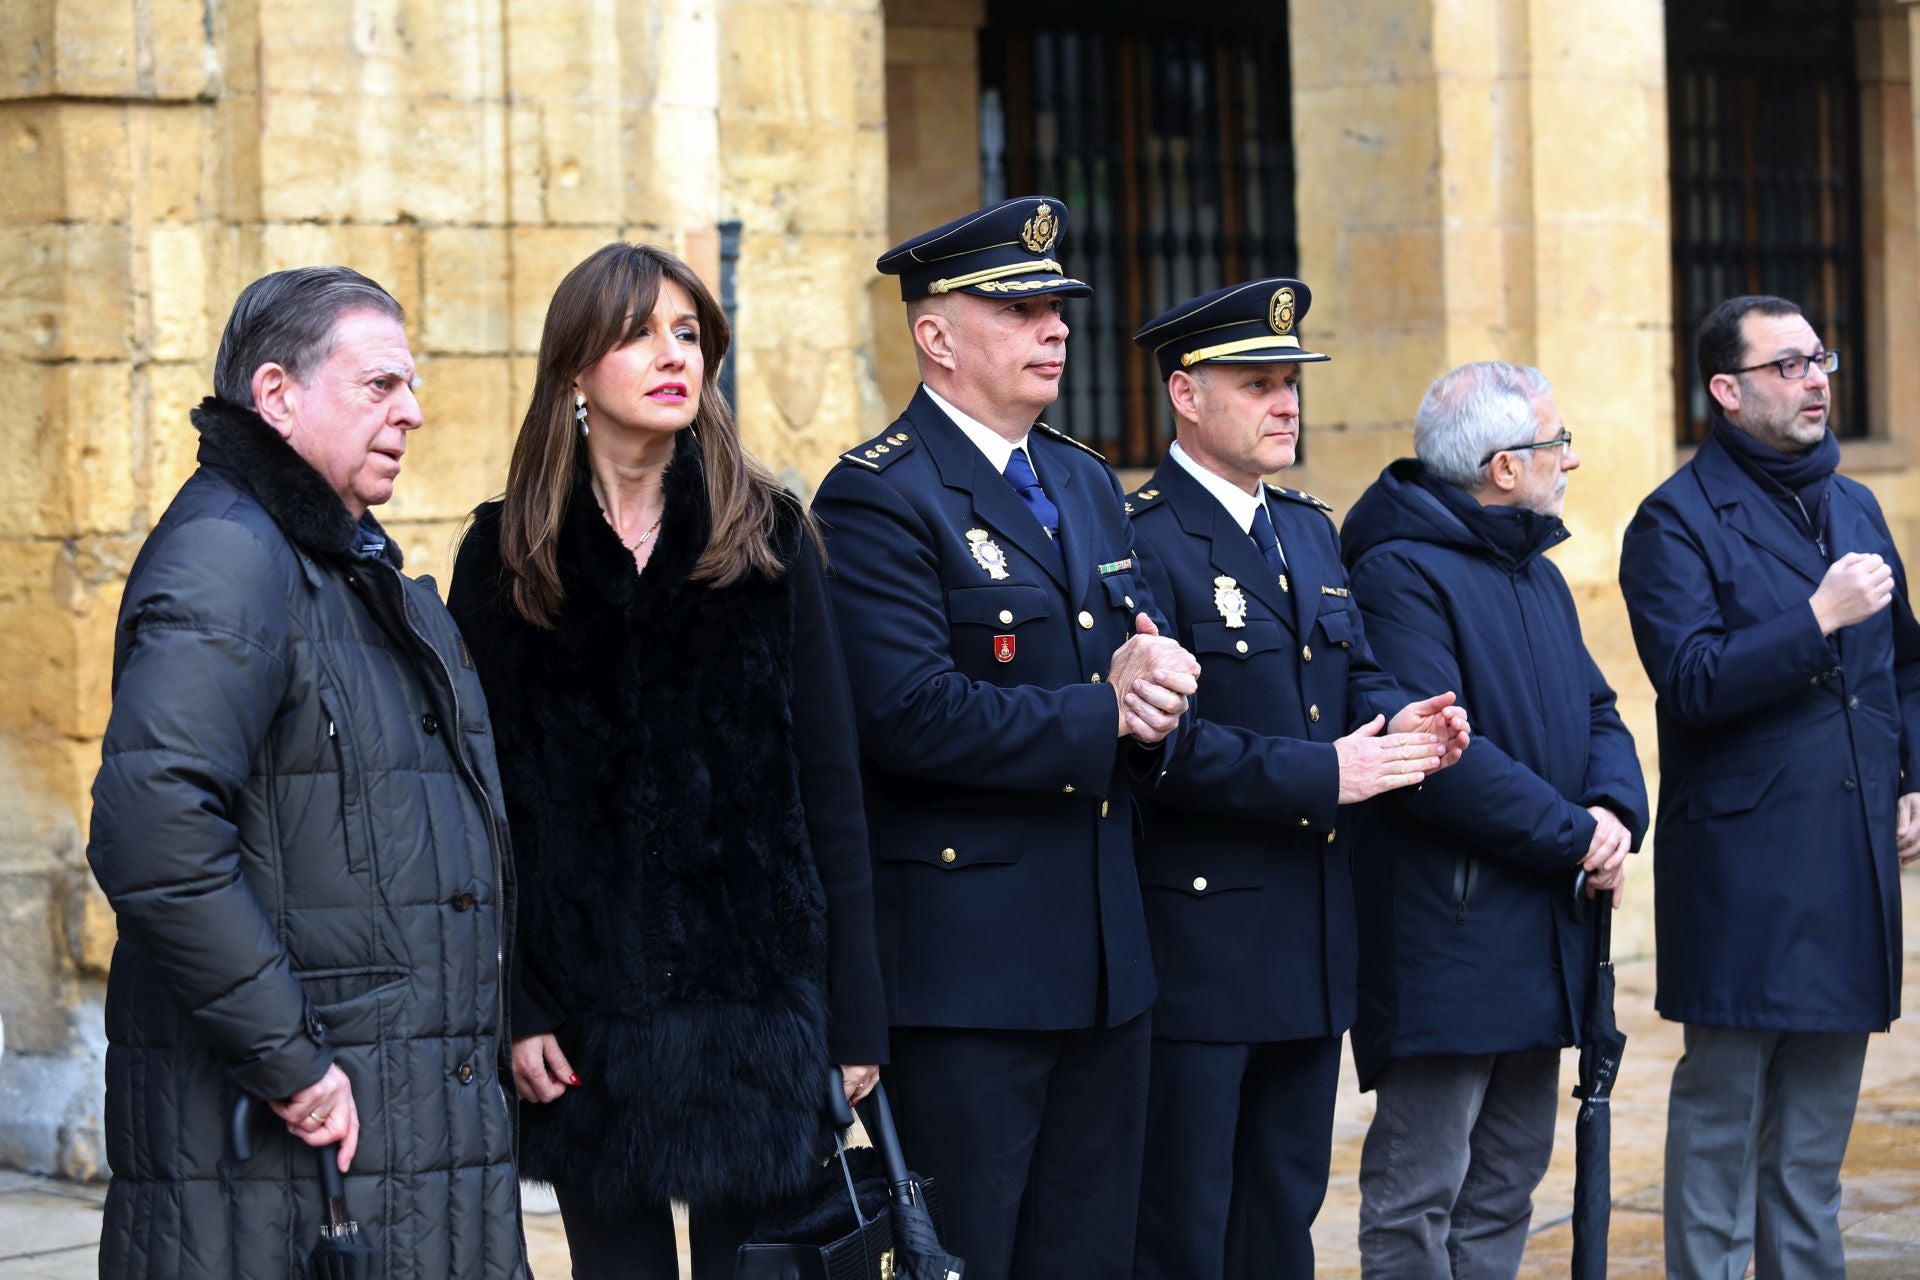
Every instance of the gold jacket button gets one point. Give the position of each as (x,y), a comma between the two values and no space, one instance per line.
(1086,620)
(1199,884)
(1103,808)
(1305,823)
(1006,616)
(1129,600)
(1239,646)
(1068,789)
(1306,653)
(1096,677)
(948,855)
(1313,713)
(1331,835)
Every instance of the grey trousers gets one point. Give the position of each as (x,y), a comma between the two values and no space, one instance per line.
(1757,1124)
(1450,1164)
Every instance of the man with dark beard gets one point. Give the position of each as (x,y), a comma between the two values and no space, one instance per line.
(1771,614)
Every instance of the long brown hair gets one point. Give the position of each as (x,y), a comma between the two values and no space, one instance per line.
(597,308)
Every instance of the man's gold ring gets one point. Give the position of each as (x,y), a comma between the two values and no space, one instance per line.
(316,1117)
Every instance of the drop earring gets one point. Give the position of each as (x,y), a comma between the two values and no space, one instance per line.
(580,412)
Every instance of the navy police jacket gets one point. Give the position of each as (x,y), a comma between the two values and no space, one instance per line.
(997,788)
(1469,941)
(1783,754)
(1248,891)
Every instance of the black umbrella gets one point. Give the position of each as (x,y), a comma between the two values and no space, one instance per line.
(341,1254)
(1601,1044)
(917,1251)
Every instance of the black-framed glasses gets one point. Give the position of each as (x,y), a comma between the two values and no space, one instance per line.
(1563,440)
(1794,368)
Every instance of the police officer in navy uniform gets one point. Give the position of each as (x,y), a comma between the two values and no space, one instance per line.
(1010,689)
(1248,893)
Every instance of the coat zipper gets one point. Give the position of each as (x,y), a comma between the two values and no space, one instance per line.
(1462,885)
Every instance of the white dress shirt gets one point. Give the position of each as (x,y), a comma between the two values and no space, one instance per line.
(998,448)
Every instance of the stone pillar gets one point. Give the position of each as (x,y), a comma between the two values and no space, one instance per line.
(933,154)
(1488,181)
(804,152)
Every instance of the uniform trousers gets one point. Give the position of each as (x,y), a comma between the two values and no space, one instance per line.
(1239,1137)
(640,1245)
(1447,1173)
(1033,1139)
(1757,1124)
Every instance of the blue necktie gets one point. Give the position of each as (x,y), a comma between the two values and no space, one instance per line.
(1020,475)
(1269,543)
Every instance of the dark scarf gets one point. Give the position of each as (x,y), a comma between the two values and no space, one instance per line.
(297,497)
(1797,481)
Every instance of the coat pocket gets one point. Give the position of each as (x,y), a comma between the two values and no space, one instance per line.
(354,1003)
(1337,626)
(1240,643)
(1002,606)
(1204,874)
(1719,797)
(954,842)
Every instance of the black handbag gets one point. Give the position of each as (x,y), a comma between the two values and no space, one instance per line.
(841,1228)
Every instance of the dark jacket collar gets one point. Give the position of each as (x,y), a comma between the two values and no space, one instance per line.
(307,510)
(592,557)
(1408,503)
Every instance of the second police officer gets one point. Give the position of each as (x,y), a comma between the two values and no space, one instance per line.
(1248,894)
(1008,688)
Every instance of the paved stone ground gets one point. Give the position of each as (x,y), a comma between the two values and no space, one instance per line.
(49,1230)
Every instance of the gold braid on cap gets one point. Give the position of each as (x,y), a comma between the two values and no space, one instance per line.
(1193,358)
(951,283)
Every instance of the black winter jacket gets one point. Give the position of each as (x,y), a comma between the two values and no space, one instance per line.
(1468,943)
(296,820)
(697,913)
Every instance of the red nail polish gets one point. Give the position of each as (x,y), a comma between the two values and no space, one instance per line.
(574,1079)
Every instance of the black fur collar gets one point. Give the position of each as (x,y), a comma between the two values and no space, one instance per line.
(283,482)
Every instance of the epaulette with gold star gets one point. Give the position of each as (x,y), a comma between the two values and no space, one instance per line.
(876,453)
(1140,499)
(1297,495)
(1064,438)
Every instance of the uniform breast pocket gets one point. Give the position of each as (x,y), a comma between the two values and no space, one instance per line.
(1337,627)
(1121,592)
(1237,643)
(1013,605)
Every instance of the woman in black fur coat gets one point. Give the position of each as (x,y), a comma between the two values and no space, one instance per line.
(647,610)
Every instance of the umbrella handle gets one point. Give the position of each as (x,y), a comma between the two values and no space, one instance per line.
(878,1117)
(239,1126)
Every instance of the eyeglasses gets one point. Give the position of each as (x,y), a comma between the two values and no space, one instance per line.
(1794,368)
(1564,439)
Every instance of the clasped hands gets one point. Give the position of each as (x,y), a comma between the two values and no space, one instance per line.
(1152,678)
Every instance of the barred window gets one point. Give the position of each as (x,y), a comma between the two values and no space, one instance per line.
(1168,132)
(1764,122)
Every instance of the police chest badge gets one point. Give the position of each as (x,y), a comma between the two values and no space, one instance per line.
(988,555)
(1003,647)
(1230,600)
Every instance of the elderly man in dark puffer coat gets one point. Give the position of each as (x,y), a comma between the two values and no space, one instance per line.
(297,821)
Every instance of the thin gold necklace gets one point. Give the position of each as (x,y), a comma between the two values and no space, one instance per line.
(641,541)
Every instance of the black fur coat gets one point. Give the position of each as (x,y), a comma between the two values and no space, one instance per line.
(673,917)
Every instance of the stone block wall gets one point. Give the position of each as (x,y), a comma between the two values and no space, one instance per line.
(465,154)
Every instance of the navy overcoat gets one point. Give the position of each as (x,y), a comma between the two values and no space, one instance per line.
(1776,883)
(1468,938)
(1248,890)
(998,791)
